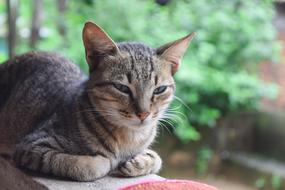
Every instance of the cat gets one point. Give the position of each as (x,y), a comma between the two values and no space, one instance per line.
(59,121)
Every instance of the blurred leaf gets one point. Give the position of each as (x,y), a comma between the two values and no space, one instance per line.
(276,182)
(260,183)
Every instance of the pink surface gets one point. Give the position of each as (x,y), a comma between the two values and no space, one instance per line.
(169,185)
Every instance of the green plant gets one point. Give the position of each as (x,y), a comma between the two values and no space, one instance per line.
(260,183)
(276,182)
(204,155)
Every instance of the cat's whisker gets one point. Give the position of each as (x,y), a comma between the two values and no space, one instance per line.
(170,116)
(178,114)
(175,108)
(175,114)
(168,122)
(182,102)
(175,120)
(164,127)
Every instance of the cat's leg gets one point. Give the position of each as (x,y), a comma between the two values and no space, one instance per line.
(148,162)
(49,160)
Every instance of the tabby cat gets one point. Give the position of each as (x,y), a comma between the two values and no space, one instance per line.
(83,128)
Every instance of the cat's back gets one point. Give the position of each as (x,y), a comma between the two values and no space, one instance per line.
(35,64)
(32,86)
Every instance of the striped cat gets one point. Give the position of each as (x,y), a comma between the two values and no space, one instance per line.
(66,124)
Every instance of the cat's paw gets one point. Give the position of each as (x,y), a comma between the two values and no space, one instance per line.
(87,168)
(146,163)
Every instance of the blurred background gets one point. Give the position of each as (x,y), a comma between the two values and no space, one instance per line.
(228,117)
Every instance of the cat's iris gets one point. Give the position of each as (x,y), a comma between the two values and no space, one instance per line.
(122,88)
(160,90)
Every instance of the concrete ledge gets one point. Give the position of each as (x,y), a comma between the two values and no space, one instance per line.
(106,183)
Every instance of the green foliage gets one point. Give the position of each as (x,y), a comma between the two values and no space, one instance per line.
(276,182)
(218,72)
(203,157)
(260,183)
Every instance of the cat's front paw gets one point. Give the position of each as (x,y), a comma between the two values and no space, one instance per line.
(146,163)
(88,168)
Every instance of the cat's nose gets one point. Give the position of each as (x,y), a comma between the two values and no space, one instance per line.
(142,115)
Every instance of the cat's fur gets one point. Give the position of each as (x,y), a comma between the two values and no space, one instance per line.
(82,128)
(13,179)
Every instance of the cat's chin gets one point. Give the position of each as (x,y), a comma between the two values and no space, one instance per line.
(136,125)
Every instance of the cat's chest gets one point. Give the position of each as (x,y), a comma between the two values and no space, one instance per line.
(134,142)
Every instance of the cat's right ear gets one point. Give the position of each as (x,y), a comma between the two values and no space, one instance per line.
(174,51)
(97,44)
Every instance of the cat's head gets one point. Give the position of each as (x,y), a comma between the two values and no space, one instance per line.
(131,84)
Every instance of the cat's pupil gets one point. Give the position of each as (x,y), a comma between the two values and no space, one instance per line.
(122,88)
(160,90)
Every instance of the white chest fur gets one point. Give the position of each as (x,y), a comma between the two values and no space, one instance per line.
(133,142)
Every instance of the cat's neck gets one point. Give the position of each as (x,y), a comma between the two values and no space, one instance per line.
(132,141)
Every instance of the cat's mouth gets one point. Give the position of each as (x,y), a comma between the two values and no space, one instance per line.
(133,122)
(139,123)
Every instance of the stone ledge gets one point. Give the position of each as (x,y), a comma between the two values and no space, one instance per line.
(106,183)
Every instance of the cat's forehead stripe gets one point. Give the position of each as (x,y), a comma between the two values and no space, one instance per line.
(129,77)
(155,79)
(140,58)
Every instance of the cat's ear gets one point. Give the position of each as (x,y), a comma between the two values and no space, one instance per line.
(174,51)
(97,44)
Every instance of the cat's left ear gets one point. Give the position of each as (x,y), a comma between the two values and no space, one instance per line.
(173,52)
(97,44)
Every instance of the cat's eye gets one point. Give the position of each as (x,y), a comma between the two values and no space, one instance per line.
(122,88)
(160,90)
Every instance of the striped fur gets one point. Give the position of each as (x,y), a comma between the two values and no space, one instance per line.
(83,128)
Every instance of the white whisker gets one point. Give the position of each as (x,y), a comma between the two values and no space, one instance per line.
(164,127)
(182,102)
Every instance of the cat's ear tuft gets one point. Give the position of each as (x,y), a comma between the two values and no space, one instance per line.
(173,52)
(97,43)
